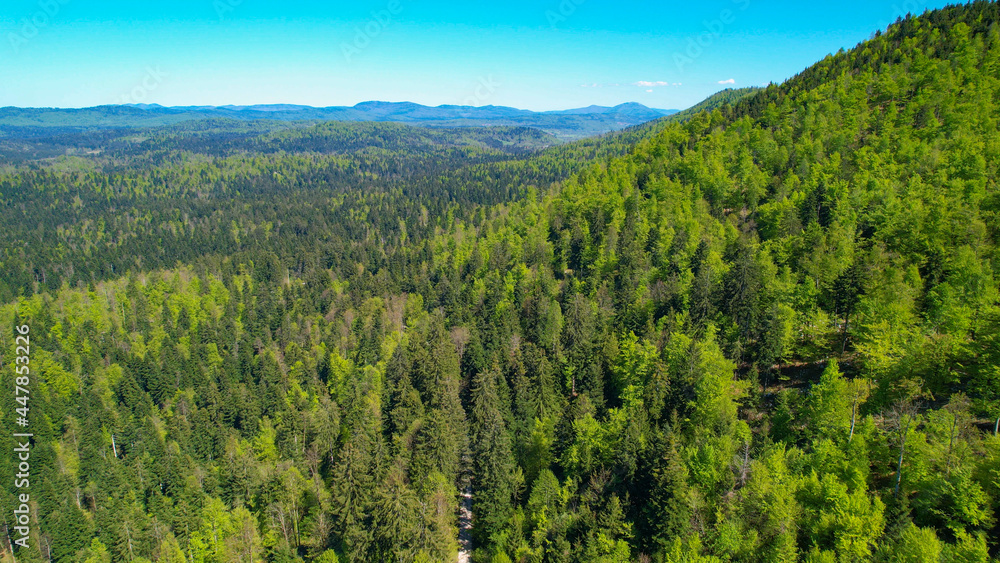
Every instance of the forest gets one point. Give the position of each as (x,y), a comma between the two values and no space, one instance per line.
(766,329)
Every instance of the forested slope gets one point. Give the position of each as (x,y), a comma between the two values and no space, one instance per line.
(765,332)
(85,206)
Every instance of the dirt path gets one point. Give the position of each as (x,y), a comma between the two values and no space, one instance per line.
(465,527)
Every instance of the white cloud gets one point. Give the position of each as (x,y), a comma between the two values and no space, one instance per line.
(650,90)
(730,81)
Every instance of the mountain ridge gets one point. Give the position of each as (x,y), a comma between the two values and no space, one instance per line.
(566,125)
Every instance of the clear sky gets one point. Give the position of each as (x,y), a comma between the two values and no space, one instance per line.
(542,55)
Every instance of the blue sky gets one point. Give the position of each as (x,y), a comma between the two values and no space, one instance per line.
(542,55)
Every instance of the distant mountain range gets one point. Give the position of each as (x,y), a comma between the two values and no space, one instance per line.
(566,125)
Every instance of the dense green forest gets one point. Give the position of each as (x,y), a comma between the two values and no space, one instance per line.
(767,329)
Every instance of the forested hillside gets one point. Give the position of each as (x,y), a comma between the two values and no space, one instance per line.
(764,331)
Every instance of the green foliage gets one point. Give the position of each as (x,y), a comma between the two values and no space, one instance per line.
(765,331)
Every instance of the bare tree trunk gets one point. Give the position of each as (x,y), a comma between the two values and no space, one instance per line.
(854,417)
(128,537)
(745,466)
(899,469)
(904,429)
